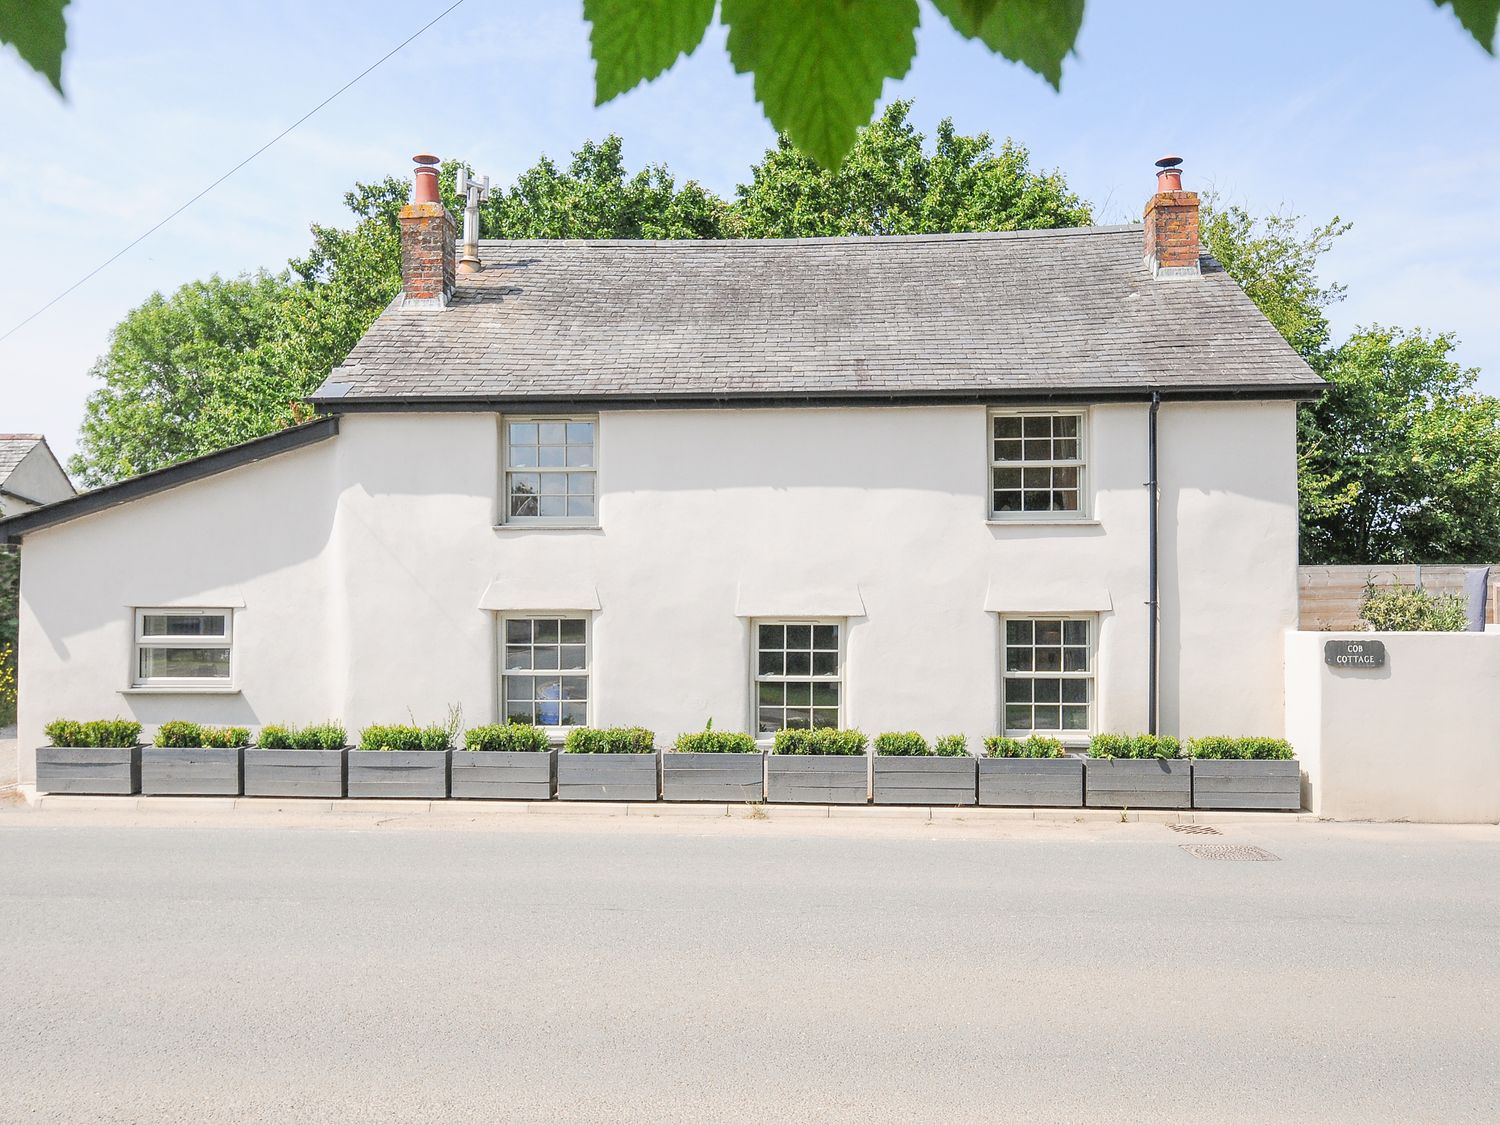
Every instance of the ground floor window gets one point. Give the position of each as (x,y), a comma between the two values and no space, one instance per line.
(798,675)
(1049,676)
(183,648)
(546,670)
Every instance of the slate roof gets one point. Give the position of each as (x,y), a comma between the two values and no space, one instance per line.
(13,450)
(972,315)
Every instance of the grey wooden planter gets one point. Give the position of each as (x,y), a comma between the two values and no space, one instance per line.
(187,772)
(924,780)
(398,773)
(294,773)
(1052,783)
(607,777)
(1138,783)
(1241,784)
(114,771)
(713,777)
(518,775)
(818,779)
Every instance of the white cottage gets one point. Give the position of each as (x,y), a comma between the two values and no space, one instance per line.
(30,475)
(1033,481)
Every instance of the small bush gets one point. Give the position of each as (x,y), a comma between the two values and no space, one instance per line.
(1402,609)
(824,740)
(112,733)
(435,736)
(1037,746)
(1135,746)
(323,736)
(390,738)
(179,735)
(65,732)
(1257,749)
(716,742)
(951,746)
(902,744)
(612,740)
(8,686)
(509,736)
(224,738)
(275,737)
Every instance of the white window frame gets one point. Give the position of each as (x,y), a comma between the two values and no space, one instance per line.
(181,683)
(587,671)
(507,470)
(1091,676)
(1081,463)
(756,679)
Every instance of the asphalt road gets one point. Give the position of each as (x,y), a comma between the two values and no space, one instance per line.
(610,971)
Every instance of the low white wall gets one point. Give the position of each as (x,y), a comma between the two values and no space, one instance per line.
(1417,739)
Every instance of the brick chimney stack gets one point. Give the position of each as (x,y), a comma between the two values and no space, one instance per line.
(1171,224)
(427,242)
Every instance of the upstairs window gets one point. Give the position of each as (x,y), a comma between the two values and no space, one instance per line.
(183,648)
(550,467)
(1036,465)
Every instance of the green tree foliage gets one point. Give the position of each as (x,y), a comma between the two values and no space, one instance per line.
(890,185)
(1408,609)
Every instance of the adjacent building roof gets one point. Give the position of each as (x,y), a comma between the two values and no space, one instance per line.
(1056,313)
(13,450)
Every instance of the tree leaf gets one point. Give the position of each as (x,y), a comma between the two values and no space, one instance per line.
(38,32)
(1479,18)
(635,40)
(1036,33)
(819,65)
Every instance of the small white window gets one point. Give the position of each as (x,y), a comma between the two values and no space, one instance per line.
(798,675)
(183,648)
(1049,676)
(550,470)
(1037,465)
(546,671)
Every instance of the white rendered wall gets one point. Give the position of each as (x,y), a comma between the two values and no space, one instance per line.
(362,563)
(1418,739)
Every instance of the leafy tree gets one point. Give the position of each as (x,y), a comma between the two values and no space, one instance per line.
(889,185)
(1401,458)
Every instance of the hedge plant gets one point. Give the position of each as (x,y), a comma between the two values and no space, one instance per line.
(902,744)
(824,740)
(320,736)
(951,746)
(610,740)
(1135,746)
(507,737)
(110,733)
(179,735)
(225,738)
(1037,746)
(712,741)
(1257,749)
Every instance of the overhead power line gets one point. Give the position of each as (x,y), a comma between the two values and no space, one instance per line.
(147,234)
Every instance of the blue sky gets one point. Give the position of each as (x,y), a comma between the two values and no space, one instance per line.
(1382,112)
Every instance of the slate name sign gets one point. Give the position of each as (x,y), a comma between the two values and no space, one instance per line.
(1354,654)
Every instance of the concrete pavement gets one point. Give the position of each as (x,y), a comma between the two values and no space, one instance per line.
(672,969)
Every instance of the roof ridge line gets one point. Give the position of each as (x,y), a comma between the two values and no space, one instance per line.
(824,240)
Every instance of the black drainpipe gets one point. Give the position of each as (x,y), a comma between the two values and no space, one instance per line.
(1153,600)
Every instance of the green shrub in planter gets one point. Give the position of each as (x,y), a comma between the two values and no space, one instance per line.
(275,737)
(716,742)
(1243,749)
(507,737)
(1135,746)
(322,736)
(612,740)
(224,738)
(951,746)
(179,735)
(1037,746)
(101,756)
(905,744)
(96,733)
(824,740)
(396,737)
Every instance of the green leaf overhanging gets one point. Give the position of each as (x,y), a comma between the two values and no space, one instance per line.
(633,41)
(38,30)
(1038,34)
(1479,18)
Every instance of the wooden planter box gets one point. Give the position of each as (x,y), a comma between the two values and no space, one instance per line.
(1241,784)
(294,773)
(1052,783)
(713,777)
(114,771)
(607,777)
(818,779)
(924,780)
(201,772)
(397,773)
(1138,783)
(515,775)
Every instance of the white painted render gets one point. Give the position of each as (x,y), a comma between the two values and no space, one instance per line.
(366,571)
(1417,739)
(38,479)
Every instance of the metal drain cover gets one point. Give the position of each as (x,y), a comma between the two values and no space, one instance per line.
(1229,851)
(1195,829)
